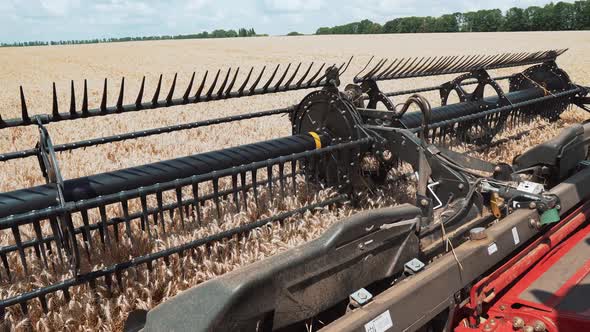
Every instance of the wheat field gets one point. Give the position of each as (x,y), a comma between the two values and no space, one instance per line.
(35,68)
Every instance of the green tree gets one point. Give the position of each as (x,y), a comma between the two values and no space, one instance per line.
(446,23)
(515,20)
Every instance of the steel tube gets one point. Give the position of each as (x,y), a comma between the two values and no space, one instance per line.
(45,196)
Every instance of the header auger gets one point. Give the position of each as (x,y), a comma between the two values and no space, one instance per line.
(341,142)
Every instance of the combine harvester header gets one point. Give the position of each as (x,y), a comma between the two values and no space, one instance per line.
(398,268)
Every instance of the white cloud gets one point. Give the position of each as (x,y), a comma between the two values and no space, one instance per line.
(196,4)
(58,7)
(293,5)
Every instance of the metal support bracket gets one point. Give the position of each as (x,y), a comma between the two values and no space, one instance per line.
(50,169)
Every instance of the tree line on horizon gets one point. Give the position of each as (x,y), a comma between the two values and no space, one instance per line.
(219,33)
(551,17)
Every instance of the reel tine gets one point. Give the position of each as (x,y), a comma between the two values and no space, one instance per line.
(356,77)
(223,84)
(378,76)
(160,202)
(485,61)
(436,63)
(522,57)
(340,71)
(231,84)
(269,182)
(171,91)
(23,105)
(407,68)
(72,100)
(253,87)
(21,250)
(293,176)
(188,89)
(144,214)
(215,182)
(304,76)
(288,83)
(282,78)
(515,58)
(496,60)
(389,73)
(58,238)
(86,229)
(200,89)
(104,228)
(234,183)
(479,60)
(196,204)
(85,99)
(420,69)
(39,247)
(455,64)
(319,80)
(55,108)
(157,92)
(125,207)
(560,52)
(255,187)
(241,89)
(6,266)
(467,62)
(449,67)
(310,82)
(272,77)
(282,179)
(121,95)
(138,100)
(212,87)
(444,67)
(244,190)
(400,66)
(370,73)
(180,204)
(103,103)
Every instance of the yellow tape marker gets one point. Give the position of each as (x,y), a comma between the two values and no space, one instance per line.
(316,138)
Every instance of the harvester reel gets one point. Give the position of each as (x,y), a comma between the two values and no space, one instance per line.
(330,113)
(480,131)
(340,142)
(370,89)
(327,112)
(549,77)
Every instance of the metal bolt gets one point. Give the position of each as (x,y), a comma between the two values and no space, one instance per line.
(539,326)
(517,322)
(532,205)
(487,328)
(534,223)
(424,202)
(497,168)
(502,307)
(492,322)
(362,295)
(528,328)
(461,186)
(477,233)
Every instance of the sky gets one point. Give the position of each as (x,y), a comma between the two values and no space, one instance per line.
(25,20)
